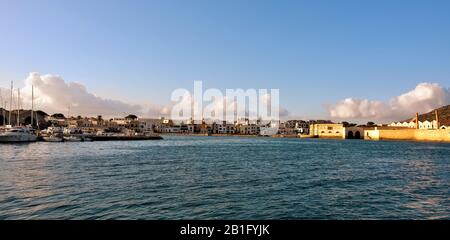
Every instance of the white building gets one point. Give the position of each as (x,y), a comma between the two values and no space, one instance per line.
(250,129)
(412,124)
(224,128)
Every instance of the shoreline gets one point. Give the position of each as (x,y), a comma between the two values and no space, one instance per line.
(229,135)
(294,136)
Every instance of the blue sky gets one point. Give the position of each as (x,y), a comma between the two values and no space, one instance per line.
(315,52)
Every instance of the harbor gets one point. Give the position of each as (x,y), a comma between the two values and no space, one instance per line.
(30,126)
(24,134)
(226,117)
(187,177)
(20,135)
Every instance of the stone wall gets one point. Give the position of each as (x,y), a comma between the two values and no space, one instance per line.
(442,135)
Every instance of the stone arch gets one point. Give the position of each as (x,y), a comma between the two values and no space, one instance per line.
(357,135)
(350,135)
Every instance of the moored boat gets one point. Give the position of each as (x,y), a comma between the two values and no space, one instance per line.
(73,139)
(52,138)
(18,134)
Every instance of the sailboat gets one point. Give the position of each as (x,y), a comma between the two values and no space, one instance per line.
(18,133)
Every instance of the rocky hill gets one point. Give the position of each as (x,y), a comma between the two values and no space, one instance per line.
(443,112)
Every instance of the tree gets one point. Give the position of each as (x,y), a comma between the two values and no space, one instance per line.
(132,117)
(58,115)
(370,123)
(347,124)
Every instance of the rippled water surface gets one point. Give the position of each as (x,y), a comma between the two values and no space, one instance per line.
(225,178)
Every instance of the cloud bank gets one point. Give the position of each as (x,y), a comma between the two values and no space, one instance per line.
(53,94)
(424,98)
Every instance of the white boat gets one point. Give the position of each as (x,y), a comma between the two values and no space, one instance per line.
(54,130)
(73,139)
(18,134)
(52,138)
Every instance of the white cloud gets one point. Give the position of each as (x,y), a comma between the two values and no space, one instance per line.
(53,94)
(424,98)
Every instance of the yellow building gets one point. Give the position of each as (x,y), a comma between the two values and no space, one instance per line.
(337,130)
(327,130)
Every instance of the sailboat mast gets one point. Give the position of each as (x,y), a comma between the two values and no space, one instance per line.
(3,109)
(18,106)
(32,104)
(10,104)
(4,117)
(4,112)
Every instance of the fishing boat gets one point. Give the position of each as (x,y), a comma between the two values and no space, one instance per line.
(73,139)
(53,138)
(76,135)
(53,134)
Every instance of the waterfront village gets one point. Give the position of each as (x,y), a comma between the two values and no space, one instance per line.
(432,126)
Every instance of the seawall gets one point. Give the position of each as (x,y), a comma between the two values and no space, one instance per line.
(434,135)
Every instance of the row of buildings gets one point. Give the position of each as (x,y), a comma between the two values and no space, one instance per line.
(132,124)
(420,128)
(243,127)
(417,123)
(167,126)
(417,128)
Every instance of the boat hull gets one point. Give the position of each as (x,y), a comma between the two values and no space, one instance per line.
(72,139)
(20,138)
(52,139)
